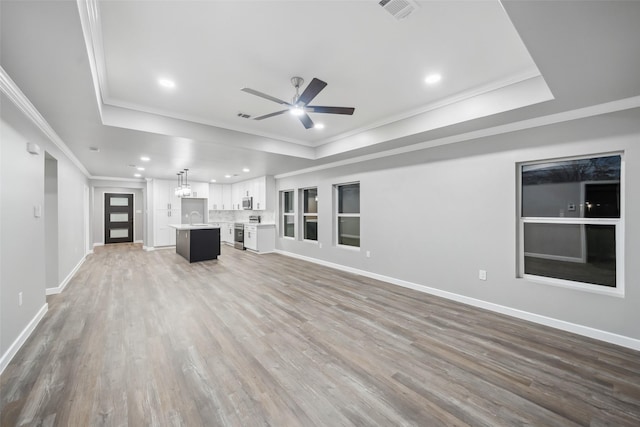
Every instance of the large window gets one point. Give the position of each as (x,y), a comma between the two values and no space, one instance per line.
(309,198)
(348,214)
(571,222)
(288,214)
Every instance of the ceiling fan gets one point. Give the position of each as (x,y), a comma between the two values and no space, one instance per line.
(299,105)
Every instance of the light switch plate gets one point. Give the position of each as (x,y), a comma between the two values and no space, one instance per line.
(37,211)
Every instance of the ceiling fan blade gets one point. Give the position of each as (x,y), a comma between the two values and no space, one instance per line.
(266,116)
(311,91)
(264,95)
(306,121)
(329,110)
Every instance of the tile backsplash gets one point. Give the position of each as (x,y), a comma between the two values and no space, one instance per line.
(267,217)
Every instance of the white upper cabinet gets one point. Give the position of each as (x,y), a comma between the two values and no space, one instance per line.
(229,196)
(164,196)
(226,197)
(200,190)
(259,193)
(215,197)
(220,197)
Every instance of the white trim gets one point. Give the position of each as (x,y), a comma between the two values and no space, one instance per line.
(586,331)
(565,116)
(22,338)
(572,284)
(65,282)
(138,241)
(111,178)
(617,223)
(13,92)
(98,244)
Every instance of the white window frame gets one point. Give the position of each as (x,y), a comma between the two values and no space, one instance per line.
(337,216)
(618,223)
(287,214)
(305,214)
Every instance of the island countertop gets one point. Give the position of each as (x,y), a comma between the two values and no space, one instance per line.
(192,226)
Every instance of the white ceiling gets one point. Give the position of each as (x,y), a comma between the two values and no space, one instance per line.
(91,69)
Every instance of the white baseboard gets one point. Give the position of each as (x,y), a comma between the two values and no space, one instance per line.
(156,248)
(137,241)
(65,282)
(98,244)
(586,331)
(22,338)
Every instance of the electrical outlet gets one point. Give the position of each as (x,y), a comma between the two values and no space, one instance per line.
(19,299)
(482,274)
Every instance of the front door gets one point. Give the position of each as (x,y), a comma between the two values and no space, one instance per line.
(118,218)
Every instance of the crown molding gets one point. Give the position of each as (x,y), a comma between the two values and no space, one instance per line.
(89,12)
(113,178)
(565,116)
(13,92)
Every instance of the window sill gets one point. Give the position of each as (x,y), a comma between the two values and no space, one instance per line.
(579,286)
(349,248)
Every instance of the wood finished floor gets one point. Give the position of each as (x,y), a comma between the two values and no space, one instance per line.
(145,338)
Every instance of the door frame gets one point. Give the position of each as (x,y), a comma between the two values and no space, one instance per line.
(132,217)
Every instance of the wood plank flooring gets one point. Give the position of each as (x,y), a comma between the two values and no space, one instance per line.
(147,339)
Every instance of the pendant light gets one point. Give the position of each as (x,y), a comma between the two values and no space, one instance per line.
(186,189)
(178,191)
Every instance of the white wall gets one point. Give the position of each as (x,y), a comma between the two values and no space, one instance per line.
(22,236)
(437,216)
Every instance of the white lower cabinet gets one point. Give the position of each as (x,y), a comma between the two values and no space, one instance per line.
(260,238)
(163,235)
(226,232)
(251,237)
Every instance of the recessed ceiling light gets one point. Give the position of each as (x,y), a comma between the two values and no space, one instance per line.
(140,168)
(137,175)
(213,180)
(166,83)
(432,78)
(227,176)
(145,158)
(318,126)
(246,170)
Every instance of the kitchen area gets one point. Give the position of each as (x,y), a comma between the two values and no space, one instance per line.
(204,216)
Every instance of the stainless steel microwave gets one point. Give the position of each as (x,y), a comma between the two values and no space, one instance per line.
(247,203)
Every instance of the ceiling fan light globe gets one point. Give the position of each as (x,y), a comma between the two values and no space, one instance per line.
(297,111)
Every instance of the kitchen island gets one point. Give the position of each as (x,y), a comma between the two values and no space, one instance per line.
(197,242)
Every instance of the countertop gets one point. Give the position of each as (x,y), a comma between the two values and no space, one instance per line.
(257,224)
(192,227)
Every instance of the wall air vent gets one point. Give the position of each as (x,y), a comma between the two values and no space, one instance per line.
(400,9)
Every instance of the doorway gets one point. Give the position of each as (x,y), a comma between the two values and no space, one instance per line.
(51,221)
(118,218)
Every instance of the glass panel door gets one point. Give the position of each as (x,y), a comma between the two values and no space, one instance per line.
(118,218)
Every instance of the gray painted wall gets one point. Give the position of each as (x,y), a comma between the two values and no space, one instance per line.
(22,236)
(437,216)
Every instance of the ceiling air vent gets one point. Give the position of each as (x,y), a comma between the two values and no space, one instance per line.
(400,9)
(244,115)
